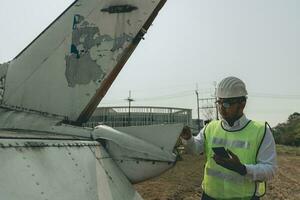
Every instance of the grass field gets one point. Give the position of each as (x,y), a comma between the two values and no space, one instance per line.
(281,149)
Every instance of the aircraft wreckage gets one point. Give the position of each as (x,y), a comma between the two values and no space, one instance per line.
(53,86)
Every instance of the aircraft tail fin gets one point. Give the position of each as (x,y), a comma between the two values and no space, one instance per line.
(70,66)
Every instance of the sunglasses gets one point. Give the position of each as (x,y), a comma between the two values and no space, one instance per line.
(226,103)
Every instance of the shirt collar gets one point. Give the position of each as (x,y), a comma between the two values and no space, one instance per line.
(238,124)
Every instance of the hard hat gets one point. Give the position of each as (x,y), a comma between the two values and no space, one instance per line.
(231,87)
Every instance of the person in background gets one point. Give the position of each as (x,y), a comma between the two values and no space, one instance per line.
(238,171)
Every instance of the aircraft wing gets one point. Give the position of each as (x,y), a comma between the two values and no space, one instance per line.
(69,67)
(60,169)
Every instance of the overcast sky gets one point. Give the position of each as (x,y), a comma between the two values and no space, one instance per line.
(192,42)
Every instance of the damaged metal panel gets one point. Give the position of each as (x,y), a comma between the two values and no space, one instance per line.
(38,124)
(132,146)
(90,48)
(58,80)
(139,165)
(164,136)
(63,69)
(60,170)
(138,170)
(3,72)
(101,91)
(138,156)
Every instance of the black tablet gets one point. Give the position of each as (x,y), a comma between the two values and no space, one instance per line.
(220,151)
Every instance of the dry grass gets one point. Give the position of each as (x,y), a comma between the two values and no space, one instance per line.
(183,182)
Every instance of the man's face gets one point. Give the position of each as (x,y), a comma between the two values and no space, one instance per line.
(231,108)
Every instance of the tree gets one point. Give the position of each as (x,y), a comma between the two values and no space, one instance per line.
(294,116)
(288,133)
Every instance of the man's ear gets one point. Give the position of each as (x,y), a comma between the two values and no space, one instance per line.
(243,104)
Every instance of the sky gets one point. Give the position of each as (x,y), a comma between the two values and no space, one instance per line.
(192,44)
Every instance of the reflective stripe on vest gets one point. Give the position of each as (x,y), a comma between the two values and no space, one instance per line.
(233,143)
(223,176)
(221,183)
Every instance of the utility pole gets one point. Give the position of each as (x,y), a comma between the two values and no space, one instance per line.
(208,103)
(198,112)
(217,111)
(129,99)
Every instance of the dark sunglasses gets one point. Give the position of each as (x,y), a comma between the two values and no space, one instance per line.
(226,103)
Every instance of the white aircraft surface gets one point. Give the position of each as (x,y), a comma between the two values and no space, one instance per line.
(53,86)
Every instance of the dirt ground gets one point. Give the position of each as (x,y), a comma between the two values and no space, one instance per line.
(183,182)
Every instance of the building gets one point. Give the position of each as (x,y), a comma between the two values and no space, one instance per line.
(139,116)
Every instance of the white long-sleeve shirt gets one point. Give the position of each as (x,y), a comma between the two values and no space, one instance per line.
(266,159)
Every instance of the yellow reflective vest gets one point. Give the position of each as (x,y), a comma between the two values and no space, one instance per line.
(221,183)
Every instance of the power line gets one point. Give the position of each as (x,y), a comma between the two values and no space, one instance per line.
(187,93)
(169,96)
(174,87)
(275,96)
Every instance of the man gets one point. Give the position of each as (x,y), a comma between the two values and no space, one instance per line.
(239,172)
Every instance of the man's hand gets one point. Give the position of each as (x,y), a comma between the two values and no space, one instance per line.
(186,133)
(232,163)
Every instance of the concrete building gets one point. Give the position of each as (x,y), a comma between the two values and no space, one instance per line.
(139,116)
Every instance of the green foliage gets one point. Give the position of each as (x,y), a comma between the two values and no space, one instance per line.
(288,133)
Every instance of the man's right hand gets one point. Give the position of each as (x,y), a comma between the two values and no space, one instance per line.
(186,133)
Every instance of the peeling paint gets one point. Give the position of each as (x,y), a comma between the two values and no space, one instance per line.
(77,19)
(120,41)
(75,50)
(92,54)
(81,74)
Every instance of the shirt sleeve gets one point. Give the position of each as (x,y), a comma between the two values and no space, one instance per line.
(266,166)
(195,145)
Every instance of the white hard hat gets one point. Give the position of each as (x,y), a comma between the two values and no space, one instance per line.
(231,87)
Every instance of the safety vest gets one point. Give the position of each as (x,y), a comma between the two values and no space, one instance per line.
(221,183)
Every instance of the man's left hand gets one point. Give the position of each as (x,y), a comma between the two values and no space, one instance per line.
(232,163)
